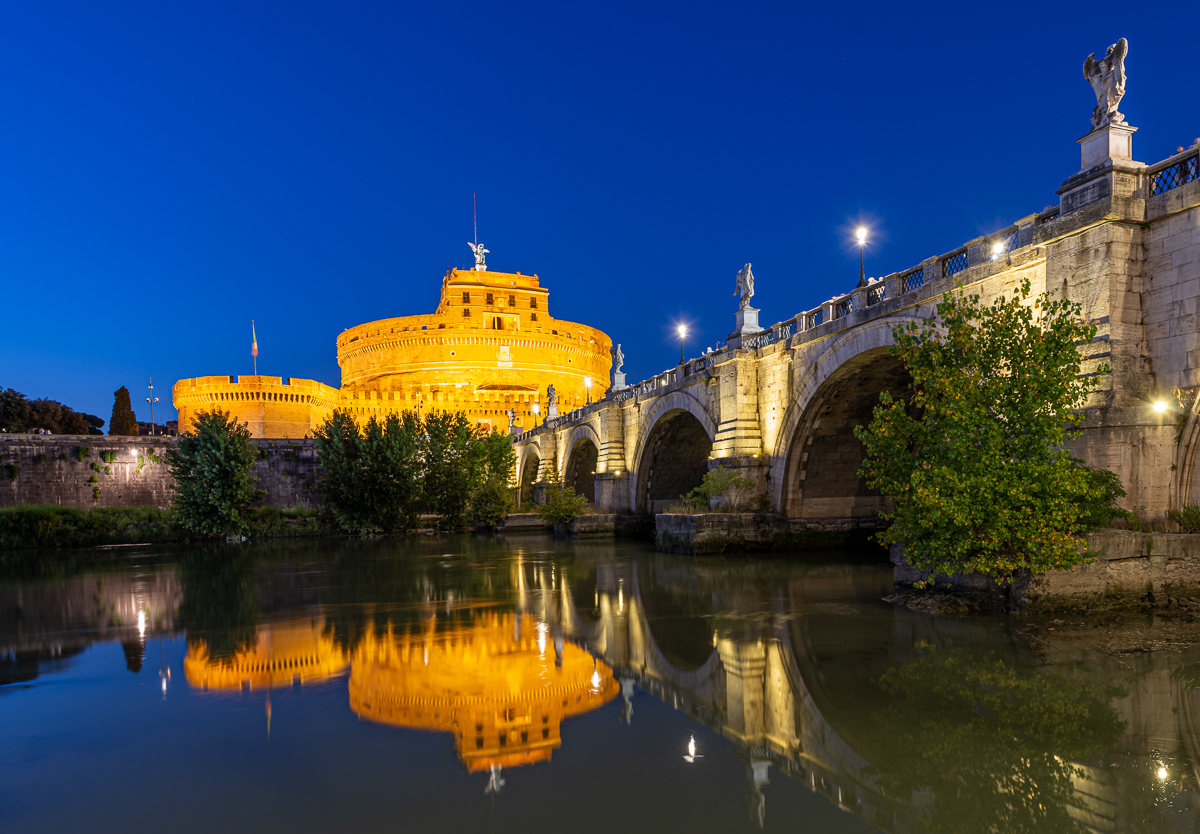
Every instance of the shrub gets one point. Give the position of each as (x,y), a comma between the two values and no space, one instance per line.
(95,467)
(562,504)
(490,503)
(82,452)
(108,456)
(211,466)
(722,489)
(1187,517)
(92,481)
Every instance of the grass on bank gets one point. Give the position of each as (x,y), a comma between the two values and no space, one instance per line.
(54,526)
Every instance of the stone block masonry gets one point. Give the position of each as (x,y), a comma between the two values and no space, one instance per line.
(94,471)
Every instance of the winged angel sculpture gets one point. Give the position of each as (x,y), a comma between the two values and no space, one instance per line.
(745,286)
(1107,77)
(478,250)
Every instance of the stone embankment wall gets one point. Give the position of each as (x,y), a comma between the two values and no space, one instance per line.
(737,532)
(1126,564)
(95,471)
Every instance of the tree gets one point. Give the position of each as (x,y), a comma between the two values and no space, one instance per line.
(20,414)
(975,463)
(491,500)
(211,466)
(123,423)
(453,462)
(371,478)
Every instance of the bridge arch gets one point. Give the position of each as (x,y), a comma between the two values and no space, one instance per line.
(672,451)
(581,452)
(814,468)
(527,473)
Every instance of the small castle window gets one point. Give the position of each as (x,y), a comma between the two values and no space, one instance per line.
(490,300)
(512,301)
(533,316)
(466,298)
(466,312)
(532,303)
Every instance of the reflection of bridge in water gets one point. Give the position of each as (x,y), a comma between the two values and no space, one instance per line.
(751,688)
(762,686)
(779,657)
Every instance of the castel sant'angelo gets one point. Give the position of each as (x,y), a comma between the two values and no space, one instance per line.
(490,346)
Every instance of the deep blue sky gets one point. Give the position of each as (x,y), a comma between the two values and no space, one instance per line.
(171,172)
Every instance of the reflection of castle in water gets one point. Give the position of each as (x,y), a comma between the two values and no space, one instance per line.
(282,654)
(770,655)
(501,685)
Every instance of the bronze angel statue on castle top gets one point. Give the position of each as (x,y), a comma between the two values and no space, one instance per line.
(1107,77)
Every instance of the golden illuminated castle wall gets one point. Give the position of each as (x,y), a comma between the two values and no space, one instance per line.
(495,687)
(271,406)
(281,656)
(490,346)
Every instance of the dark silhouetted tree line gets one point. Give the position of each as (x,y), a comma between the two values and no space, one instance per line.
(19,414)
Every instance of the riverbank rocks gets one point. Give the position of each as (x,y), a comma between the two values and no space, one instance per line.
(1127,571)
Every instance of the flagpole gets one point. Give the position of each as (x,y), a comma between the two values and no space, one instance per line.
(254,346)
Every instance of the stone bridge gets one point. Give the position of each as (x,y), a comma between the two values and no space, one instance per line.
(780,406)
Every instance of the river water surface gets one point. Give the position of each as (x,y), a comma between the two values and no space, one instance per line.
(529,685)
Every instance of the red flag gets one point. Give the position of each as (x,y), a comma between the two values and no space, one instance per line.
(253,340)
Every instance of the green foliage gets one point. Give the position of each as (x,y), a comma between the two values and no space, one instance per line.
(55,526)
(975,464)
(95,493)
(722,490)
(370,478)
(108,456)
(491,501)
(92,481)
(1187,517)
(20,414)
(82,452)
(992,749)
(108,470)
(453,461)
(211,467)
(141,463)
(41,458)
(123,423)
(562,504)
(95,467)
(11,470)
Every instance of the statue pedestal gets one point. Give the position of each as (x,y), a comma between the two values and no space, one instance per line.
(1108,169)
(551,411)
(1111,142)
(618,381)
(747,325)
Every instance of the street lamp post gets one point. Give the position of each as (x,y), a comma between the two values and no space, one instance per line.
(587,387)
(152,400)
(862,240)
(682,331)
(536,409)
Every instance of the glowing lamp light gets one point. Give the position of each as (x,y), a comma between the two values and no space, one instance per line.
(1160,406)
(1162,773)
(682,331)
(998,247)
(861,234)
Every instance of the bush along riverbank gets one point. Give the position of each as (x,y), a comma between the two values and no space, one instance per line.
(66,527)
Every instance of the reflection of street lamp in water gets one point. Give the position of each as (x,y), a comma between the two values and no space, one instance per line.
(692,755)
(495,783)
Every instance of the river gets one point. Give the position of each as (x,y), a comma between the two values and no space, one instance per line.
(528,685)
